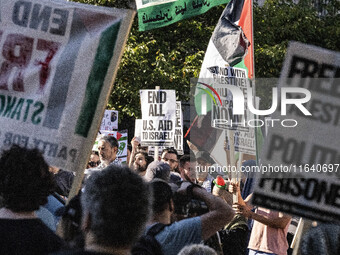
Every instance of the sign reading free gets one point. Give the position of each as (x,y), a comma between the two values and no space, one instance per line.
(58,60)
(300,165)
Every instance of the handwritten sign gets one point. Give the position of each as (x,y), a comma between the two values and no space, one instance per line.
(301,163)
(178,138)
(110,120)
(57,66)
(158,114)
(159,13)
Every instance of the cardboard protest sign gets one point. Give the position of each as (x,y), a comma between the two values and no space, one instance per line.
(158,114)
(57,66)
(300,159)
(178,138)
(110,120)
(160,13)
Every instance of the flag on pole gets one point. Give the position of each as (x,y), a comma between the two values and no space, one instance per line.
(228,60)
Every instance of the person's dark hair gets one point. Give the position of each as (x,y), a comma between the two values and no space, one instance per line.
(170,150)
(162,195)
(184,159)
(25,181)
(197,249)
(119,203)
(111,140)
(157,169)
(148,159)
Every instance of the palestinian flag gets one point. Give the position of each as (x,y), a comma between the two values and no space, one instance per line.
(229,56)
(230,50)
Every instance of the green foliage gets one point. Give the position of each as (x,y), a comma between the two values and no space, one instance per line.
(279,21)
(168,57)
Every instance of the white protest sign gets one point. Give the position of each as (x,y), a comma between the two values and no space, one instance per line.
(301,162)
(158,114)
(151,150)
(178,139)
(244,141)
(110,120)
(57,67)
(138,128)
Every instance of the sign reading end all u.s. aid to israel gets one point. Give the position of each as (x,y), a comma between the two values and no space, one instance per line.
(300,161)
(57,65)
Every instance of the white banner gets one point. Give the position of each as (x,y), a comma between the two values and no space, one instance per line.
(57,66)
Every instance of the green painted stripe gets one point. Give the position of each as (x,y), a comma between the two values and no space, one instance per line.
(210,94)
(96,79)
(164,14)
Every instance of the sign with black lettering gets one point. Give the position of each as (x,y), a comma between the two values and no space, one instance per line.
(300,159)
(178,138)
(110,120)
(158,114)
(58,60)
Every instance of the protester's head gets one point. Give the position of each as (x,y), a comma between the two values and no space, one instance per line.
(94,159)
(169,156)
(108,148)
(25,180)
(141,162)
(203,158)
(204,161)
(197,249)
(187,168)
(159,170)
(116,206)
(162,196)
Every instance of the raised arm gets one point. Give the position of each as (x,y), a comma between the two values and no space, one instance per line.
(220,213)
(244,207)
(134,144)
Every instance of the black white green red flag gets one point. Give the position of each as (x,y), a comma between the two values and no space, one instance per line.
(228,62)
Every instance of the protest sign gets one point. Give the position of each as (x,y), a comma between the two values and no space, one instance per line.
(57,67)
(110,120)
(151,150)
(160,13)
(178,138)
(158,114)
(300,160)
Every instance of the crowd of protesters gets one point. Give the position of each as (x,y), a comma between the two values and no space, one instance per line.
(169,206)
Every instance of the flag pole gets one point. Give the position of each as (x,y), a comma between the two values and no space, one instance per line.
(156,147)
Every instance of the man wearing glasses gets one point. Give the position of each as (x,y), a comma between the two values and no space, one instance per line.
(169,156)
